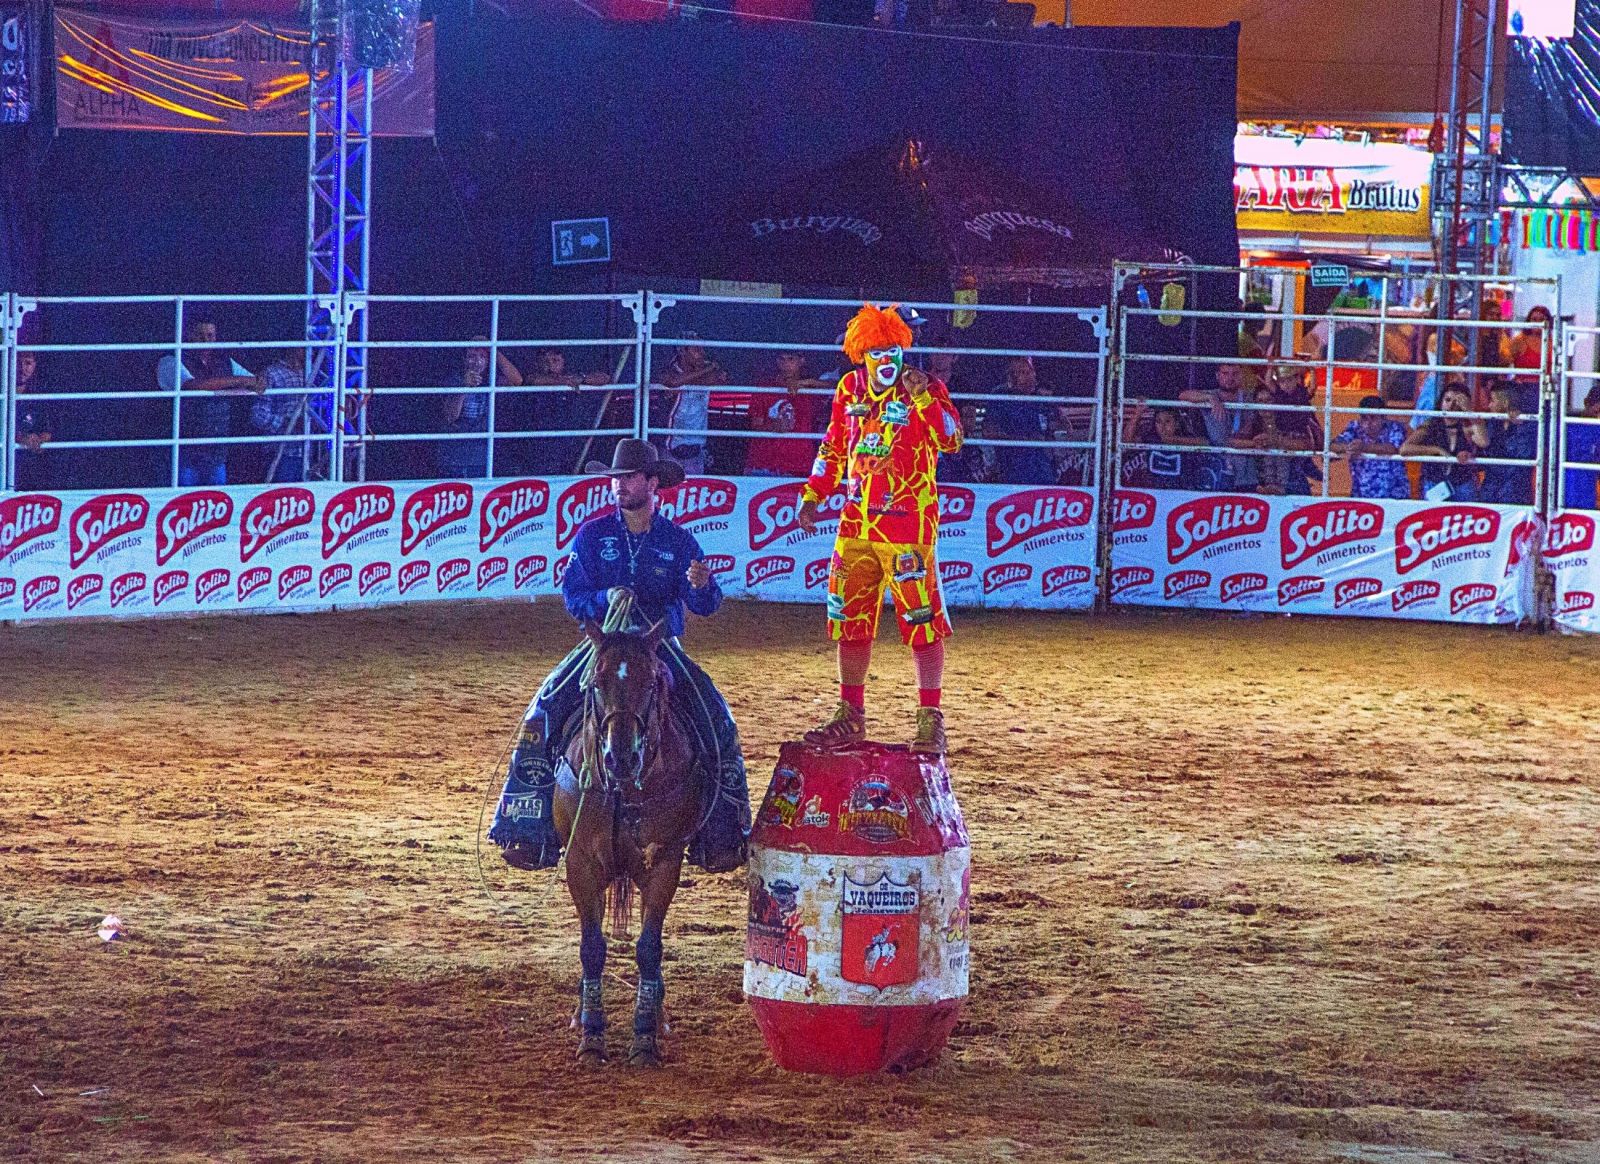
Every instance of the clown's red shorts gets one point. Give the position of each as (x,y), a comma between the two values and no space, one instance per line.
(856,579)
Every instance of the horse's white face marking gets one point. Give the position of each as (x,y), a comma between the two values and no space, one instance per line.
(622,670)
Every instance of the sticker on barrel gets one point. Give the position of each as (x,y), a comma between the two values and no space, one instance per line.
(879,932)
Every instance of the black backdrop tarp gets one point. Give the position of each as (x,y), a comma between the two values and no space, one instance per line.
(658,126)
(1552,114)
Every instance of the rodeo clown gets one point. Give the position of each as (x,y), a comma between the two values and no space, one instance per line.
(634,553)
(888,427)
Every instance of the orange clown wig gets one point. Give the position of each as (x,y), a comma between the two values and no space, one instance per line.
(874,328)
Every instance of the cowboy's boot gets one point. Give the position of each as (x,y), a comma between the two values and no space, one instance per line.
(847,726)
(523,825)
(721,843)
(930,732)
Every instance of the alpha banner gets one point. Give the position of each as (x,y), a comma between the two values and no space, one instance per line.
(245,77)
(243,548)
(1321,186)
(1343,556)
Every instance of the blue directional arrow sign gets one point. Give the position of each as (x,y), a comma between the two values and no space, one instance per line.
(580,240)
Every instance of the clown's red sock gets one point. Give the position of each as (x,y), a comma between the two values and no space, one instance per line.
(855,657)
(928,660)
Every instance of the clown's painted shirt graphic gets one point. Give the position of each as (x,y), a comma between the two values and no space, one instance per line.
(883,450)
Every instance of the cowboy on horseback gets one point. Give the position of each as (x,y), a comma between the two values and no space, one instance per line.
(634,555)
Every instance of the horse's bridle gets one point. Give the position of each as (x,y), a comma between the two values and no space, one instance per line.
(602,719)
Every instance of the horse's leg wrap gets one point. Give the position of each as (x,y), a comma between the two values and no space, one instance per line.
(647,1009)
(591,1007)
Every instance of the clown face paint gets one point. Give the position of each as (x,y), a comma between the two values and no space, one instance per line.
(883,366)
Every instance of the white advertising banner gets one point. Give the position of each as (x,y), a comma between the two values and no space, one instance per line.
(1345,556)
(173,551)
(1569,554)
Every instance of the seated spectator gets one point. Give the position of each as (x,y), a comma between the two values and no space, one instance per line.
(1298,428)
(1582,454)
(213,376)
(1165,467)
(1278,476)
(1013,418)
(570,411)
(36,427)
(1511,439)
(1221,424)
(283,411)
(1528,349)
(1372,442)
(689,379)
(973,463)
(788,411)
(1459,438)
(466,412)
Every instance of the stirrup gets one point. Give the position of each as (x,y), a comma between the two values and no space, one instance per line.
(930,732)
(847,725)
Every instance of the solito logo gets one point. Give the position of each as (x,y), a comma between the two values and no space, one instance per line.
(452,572)
(507,508)
(957,504)
(253,579)
(774,513)
(491,570)
(334,577)
(528,570)
(763,570)
(1006,574)
(1299,588)
(817,573)
(956,571)
(84,587)
(1354,590)
(1186,582)
(189,517)
(699,499)
(1471,594)
(720,563)
(1021,517)
(102,520)
(1125,578)
(1575,601)
(1414,593)
(1318,528)
(1424,536)
(26,518)
(1059,578)
(1236,586)
(37,590)
(127,587)
(431,510)
(1132,509)
(169,585)
(1570,533)
(270,515)
(354,512)
(1211,521)
(413,573)
(292,579)
(210,583)
(579,502)
(373,575)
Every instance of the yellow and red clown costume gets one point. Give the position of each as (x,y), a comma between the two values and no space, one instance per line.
(888,427)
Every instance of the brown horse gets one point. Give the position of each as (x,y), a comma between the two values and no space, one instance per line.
(627,803)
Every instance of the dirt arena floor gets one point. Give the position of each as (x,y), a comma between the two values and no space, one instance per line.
(1243,890)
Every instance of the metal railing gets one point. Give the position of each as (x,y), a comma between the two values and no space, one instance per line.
(1171,376)
(1576,452)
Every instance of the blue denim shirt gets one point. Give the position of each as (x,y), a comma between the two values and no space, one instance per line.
(653,565)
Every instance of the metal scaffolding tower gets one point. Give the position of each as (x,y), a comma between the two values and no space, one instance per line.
(1466,182)
(338,212)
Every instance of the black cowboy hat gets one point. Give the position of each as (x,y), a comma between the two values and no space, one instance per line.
(636,456)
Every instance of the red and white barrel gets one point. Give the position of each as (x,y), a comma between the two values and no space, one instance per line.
(856,947)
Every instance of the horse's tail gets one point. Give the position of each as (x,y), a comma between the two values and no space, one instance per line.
(619,904)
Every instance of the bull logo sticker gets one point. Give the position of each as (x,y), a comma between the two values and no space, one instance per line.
(773,935)
(783,803)
(880,925)
(875,812)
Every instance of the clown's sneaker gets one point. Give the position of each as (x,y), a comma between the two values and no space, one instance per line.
(930,732)
(847,725)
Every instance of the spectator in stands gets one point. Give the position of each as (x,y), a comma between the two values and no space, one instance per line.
(1165,467)
(1510,439)
(1014,418)
(690,378)
(570,411)
(974,463)
(1428,387)
(1221,424)
(1456,437)
(282,410)
(1298,428)
(1526,349)
(468,412)
(1582,454)
(211,376)
(36,427)
(787,411)
(1372,442)
(1278,431)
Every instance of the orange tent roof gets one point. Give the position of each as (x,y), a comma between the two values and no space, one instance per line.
(1355,60)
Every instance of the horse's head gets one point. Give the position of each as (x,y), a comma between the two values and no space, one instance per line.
(626,685)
